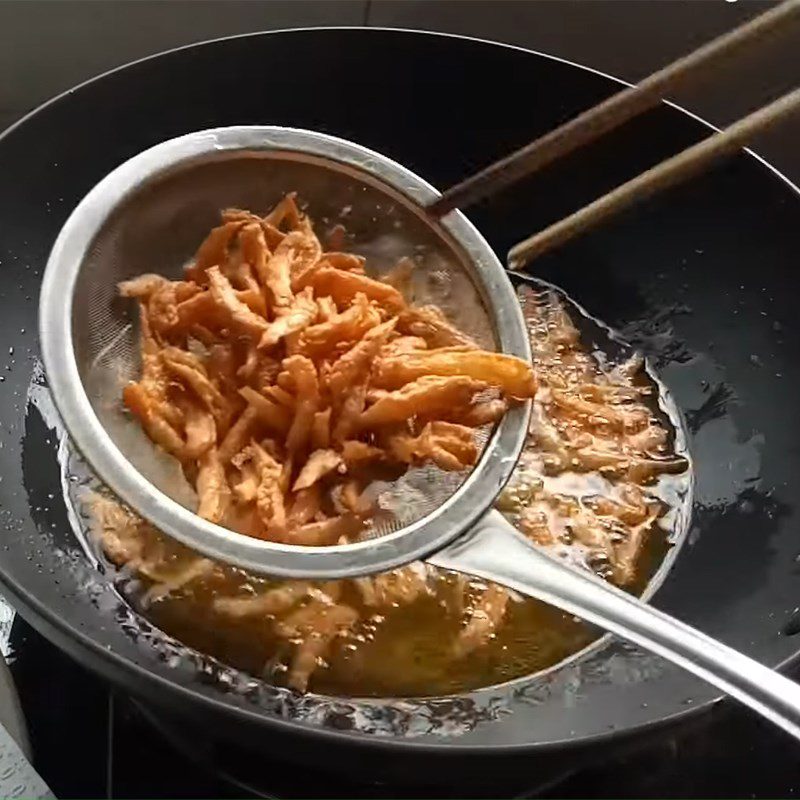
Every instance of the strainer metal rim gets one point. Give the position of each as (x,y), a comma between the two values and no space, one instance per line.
(468,503)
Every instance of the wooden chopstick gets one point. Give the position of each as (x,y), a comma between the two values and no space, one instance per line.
(614,111)
(678,168)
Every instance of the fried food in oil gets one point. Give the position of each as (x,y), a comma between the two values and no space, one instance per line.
(299,395)
(595,422)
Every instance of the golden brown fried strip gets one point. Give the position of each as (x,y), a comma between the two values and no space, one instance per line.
(202,310)
(253,299)
(398,587)
(344,286)
(348,326)
(140,403)
(256,253)
(355,364)
(269,495)
(193,375)
(354,500)
(239,434)
(274,271)
(483,413)
(432,395)
(239,272)
(124,536)
(273,236)
(280,396)
(324,532)
(305,506)
(321,430)
(238,314)
(246,489)
(626,418)
(142,286)
(636,469)
(403,344)
(213,251)
(195,569)
(539,522)
(286,474)
(349,262)
(162,308)
(304,376)
(273,601)
(373,395)
(349,416)
(356,453)
(319,464)
(611,393)
(449,446)
(285,211)
(212,487)
(628,552)
(150,398)
(199,309)
(630,507)
(238,215)
(331,621)
(510,374)
(327,309)
(153,374)
(278,275)
(488,613)
(430,324)
(276,417)
(185,357)
(200,431)
(285,381)
(293,319)
(300,253)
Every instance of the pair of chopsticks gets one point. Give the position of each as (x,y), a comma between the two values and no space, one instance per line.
(612,113)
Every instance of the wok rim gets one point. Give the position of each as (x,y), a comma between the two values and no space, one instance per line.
(122,671)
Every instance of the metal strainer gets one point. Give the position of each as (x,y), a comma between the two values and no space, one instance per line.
(150,213)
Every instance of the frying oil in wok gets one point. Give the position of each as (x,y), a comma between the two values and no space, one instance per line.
(413,643)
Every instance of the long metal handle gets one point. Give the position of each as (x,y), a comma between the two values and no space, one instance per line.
(494,550)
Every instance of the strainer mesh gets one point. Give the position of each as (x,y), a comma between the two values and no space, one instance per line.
(159,228)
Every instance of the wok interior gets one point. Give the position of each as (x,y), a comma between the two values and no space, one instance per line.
(737,579)
(158,230)
(419,631)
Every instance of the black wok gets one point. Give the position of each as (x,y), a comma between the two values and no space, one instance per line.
(704,279)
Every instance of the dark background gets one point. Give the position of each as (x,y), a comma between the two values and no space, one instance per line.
(47,46)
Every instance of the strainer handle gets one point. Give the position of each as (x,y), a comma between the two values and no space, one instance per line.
(494,550)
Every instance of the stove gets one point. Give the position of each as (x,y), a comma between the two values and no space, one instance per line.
(90,741)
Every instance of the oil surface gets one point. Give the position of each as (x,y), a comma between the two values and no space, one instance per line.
(410,649)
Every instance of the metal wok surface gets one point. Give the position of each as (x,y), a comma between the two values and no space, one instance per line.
(704,279)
